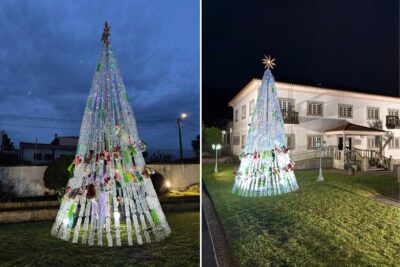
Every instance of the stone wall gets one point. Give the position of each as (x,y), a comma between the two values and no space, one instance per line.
(28,180)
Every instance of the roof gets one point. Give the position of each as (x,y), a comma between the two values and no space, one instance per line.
(65,140)
(313,89)
(354,129)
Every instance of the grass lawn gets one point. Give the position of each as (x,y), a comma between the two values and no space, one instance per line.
(31,244)
(331,223)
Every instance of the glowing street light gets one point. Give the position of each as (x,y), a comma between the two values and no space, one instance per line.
(216,147)
(320,146)
(179,121)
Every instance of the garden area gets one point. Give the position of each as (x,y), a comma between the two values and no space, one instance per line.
(332,223)
(31,244)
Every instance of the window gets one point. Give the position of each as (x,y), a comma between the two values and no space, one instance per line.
(243,141)
(372,142)
(236,115)
(290,143)
(315,109)
(345,111)
(286,104)
(312,141)
(48,156)
(236,140)
(251,107)
(37,156)
(393,112)
(243,112)
(228,138)
(395,142)
(372,113)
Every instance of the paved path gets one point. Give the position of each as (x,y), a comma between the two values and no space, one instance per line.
(218,239)
(207,252)
(387,200)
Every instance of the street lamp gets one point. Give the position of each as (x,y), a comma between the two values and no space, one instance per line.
(179,121)
(216,147)
(320,146)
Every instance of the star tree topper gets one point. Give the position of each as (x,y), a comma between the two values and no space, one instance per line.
(268,62)
(106,34)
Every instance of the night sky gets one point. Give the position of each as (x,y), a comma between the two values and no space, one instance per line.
(350,45)
(49,52)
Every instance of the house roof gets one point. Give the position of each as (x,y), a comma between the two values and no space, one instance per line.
(65,140)
(354,129)
(312,89)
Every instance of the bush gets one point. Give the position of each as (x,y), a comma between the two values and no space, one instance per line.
(158,182)
(6,190)
(211,136)
(56,175)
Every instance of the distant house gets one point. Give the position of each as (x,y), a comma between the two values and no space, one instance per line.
(38,153)
(8,153)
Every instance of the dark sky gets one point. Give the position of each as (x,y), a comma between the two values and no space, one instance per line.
(49,52)
(342,44)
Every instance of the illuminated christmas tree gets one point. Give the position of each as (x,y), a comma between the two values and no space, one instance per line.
(110,195)
(265,167)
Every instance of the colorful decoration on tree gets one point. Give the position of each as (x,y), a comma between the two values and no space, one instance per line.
(265,167)
(110,189)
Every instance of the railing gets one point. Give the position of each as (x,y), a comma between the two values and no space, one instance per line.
(370,154)
(290,117)
(392,122)
(326,153)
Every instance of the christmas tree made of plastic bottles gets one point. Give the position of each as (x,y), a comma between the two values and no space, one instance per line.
(265,167)
(110,195)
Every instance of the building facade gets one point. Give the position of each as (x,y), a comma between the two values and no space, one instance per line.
(310,111)
(37,153)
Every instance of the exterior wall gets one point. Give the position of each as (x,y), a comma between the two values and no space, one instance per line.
(28,154)
(28,180)
(331,100)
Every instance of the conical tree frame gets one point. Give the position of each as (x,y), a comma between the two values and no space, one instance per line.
(110,199)
(265,168)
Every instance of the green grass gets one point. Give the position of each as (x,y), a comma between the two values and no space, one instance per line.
(31,244)
(331,223)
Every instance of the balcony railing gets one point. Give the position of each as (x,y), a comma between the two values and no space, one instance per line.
(392,122)
(290,117)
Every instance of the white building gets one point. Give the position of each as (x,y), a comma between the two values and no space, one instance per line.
(309,112)
(38,153)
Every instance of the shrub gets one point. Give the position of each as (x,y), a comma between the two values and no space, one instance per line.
(56,175)
(158,181)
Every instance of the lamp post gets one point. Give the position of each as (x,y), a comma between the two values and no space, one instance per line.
(179,121)
(320,145)
(216,147)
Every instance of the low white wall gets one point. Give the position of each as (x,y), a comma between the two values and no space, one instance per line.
(28,180)
(180,175)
